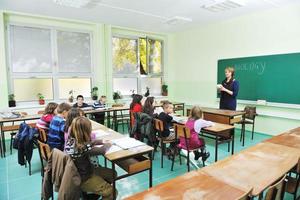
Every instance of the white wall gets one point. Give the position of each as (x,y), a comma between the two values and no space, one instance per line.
(193,56)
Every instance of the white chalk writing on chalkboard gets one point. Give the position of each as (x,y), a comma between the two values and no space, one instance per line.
(258,67)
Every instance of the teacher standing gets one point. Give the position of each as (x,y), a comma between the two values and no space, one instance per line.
(229,90)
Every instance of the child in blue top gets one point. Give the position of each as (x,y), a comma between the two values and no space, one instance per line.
(100,117)
(57,127)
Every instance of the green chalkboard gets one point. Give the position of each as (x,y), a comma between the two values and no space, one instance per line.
(274,78)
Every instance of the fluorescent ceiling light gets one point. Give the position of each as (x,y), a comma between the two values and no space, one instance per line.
(177,20)
(77,3)
(223,5)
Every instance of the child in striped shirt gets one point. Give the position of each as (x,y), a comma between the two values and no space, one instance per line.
(47,117)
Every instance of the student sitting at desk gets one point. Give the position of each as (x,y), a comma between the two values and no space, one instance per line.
(57,127)
(47,117)
(135,106)
(80,102)
(195,123)
(81,148)
(100,117)
(167,120)
(73,113)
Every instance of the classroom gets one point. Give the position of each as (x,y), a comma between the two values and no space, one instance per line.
(149,99)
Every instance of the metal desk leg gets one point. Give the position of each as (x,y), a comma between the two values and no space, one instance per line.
(115,121)
(243,132)
(183,109)
(216,148)
(232,148)
(108,119)
(150,170)
(3,140)
(114,181)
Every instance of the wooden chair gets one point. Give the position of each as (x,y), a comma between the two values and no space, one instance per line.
(44,152)
(159,127)
(183,131)
(245,196)
(276,191)
(293,181)
(42,135)
(248,118)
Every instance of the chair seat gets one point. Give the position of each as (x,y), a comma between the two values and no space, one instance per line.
(291,184)
(245,121)
(166,141)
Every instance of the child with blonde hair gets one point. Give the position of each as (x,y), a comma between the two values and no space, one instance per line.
(81,148)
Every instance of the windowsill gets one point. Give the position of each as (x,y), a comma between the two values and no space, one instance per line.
(36,105)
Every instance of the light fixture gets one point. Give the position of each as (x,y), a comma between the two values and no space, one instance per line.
(77,3)
(177,20)
(223,5)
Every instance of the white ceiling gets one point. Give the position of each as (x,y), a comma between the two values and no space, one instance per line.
(147,15)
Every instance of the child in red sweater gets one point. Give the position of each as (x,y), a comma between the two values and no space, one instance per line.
(49,113)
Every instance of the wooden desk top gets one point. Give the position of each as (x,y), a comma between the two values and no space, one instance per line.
(229,113)
(27,117)
(122,154)
(256,167)
(290,140)
(217,127)
(192,185)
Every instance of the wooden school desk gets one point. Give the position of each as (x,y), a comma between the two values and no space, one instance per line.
(12,120)
(193,185)
(289,138)
(217,132)
(133,161)
(257,167)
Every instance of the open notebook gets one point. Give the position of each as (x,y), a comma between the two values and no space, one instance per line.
(127,143)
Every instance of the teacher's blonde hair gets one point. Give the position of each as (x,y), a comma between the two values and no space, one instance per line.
(230,69)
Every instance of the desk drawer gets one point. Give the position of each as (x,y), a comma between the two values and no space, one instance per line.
(133,165)
(216,118)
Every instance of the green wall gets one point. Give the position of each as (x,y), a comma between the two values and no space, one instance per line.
(193,56)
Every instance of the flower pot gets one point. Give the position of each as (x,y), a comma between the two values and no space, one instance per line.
(41,101)
(94,98)
(11,103)
(164,93)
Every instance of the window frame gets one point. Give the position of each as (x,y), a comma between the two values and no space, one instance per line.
(54,74)
(139,76)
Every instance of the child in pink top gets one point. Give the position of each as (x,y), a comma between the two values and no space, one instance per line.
(47,117)
(195,123)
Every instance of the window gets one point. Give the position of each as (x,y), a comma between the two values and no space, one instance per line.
(137,64)
(49,61)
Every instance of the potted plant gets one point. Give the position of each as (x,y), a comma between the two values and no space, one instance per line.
(147,92)
(117,96)
(164,90)
(11,100)
(71,97)
(94,93)
(41,98)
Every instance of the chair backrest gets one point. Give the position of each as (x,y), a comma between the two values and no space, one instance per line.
(158,125)
(298,167)
(250,112)
(182,131)
(276,191)
(44,150)
(245,196)
(42,135)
